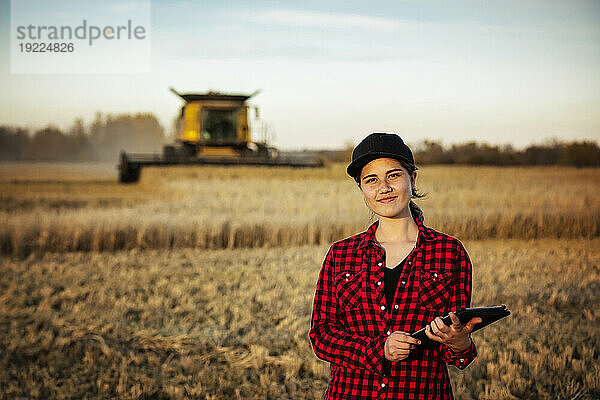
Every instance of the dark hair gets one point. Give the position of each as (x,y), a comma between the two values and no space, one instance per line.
(415,210)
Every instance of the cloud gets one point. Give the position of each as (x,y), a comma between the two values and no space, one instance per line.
(308,18)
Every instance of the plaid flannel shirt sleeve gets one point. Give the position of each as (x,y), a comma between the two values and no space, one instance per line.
(461,297)
(329,340)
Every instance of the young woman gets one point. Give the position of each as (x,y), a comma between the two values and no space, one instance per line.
(377,287)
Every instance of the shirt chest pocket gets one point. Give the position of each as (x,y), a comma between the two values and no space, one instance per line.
(435,289)
(348,285)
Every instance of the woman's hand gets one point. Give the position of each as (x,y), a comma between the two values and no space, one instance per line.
(398,345)
(456,336)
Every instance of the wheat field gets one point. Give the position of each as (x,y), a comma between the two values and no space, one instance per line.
(228,207)
(198,282)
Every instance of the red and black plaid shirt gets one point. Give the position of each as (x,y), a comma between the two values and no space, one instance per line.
(351,320)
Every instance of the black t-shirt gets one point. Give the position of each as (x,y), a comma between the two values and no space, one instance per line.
(390,282)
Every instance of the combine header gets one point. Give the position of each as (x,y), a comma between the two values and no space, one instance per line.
(213,129)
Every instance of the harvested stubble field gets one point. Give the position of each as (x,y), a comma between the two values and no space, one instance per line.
(222,324)
(198,282)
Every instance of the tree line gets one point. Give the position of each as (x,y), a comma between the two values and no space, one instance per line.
(101,140)
(584,153)
(107,135)
(576,153)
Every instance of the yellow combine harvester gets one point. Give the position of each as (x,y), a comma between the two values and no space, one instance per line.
(213,128)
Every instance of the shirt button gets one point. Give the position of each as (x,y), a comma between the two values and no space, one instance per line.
(404,282)
(379,283)
(382,308)
(347,274)
(435,274)
(388,333)
(462,360)
(379,264)
(396,306)
(382,384)
(408,263)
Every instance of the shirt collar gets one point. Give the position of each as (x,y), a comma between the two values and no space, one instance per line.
(425,233)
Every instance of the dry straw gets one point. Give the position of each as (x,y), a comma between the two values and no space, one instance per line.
(195,323)
(218,207)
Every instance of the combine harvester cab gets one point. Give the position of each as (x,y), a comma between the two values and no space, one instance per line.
(213,129)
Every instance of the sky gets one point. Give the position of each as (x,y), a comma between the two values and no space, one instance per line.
(331,72)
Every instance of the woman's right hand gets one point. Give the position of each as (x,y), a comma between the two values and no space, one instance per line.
(398,345)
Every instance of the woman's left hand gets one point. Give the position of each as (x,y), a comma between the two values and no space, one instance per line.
(456,336)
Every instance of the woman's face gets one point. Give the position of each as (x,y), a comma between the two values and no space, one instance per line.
(387,187)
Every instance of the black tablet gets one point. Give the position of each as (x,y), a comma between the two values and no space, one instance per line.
(487,314)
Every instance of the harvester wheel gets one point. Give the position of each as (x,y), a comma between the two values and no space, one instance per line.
(129,173)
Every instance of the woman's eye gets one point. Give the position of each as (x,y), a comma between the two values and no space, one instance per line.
(370,180)
(393,175)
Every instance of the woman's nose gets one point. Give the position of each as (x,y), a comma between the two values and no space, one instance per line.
(384,187)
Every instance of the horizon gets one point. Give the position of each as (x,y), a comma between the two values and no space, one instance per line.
(549,141)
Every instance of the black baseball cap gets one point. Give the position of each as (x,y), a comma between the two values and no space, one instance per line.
(379,145)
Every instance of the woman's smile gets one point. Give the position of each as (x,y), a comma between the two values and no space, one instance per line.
(387,199)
